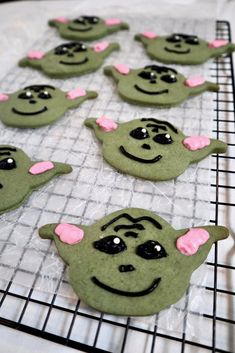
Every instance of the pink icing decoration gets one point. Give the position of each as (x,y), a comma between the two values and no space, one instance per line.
(149,34)
(41,167)
(106,124)
(217,43)
(189,243)
(112,21)
(37,55)
(75,93)
(195,81)
(61,19)
(123,69)
(3,97)
(98,47)
(69,234)
(194,143)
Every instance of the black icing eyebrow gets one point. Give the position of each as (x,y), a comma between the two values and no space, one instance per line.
(129,226)
(185,36)
(161,122)
(133,220)
(33,87)
(12,149)
(160,69)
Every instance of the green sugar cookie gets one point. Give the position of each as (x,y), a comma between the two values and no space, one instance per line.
(149,148)
(69,59)
(39,105)
(87,27)
(131,262)
(19,176)
(183,49)
(154,85)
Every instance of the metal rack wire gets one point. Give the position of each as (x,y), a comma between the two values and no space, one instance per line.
(154,339)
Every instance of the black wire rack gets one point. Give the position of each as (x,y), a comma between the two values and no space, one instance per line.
(157,341)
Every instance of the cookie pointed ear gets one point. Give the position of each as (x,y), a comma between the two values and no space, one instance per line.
(221,46)
(117,71)
(57,22)
(102,126)
(197,85)
(114,24)
(145,37)
(78,95)
(41,172)
(105,48)
(33,58)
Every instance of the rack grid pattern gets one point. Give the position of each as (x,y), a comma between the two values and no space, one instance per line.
(154,339)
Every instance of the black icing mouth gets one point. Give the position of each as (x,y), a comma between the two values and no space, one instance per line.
(32,113)
(74,63)
(80,29)
(187,51)
(150,92)
(138,159)
(141,293)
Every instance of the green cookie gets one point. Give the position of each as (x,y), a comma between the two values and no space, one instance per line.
(69,59)
(131,262)
(150,148)
(19,176)
(87,27)
(39,105)
(182,48)
(157,86)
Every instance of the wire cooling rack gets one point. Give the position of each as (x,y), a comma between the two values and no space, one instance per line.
(82,330)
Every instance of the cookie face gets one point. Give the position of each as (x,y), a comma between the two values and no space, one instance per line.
(19,176)
(183,49)
(69,59)
(131,262)
(150,148)
(39,105)
(87,27)
(155,85)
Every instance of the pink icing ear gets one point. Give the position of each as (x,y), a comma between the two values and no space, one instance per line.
(106,124)
(3,97)
(61,19)
(69,234)
(194,81)
(98,47)
(217,43)
(194,143)
(41,167)
(112,21)
(149,35)
(75,93)
(37,55)
(122,69)
(189,243)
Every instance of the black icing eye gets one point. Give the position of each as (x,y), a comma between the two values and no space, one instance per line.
(79,20)
(163,139)
(80,47)
(174,38)
(146,75)
(91,19)
(61,50)
(44,95)
(192,40)
(25,95)
(110,245)
(169,78)
(151,250)
(140,133)
(7,163)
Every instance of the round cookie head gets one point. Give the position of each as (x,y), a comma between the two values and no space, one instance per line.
(131,262)
(39,105)
(87,27)
(182,49)
(150,148)
(70,59)
(155,85)
(19,176)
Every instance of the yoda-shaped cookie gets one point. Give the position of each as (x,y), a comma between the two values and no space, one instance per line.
(69,59)
(183,49)
(131,262)
(39,105)
(87,27)
(154,85)
(19,176)
(150,148)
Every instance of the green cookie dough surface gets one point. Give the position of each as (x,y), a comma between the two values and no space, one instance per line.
(150,148)
(38,105)
(18,180)
(128,263)
(86,27)
(155,85)
(182,49)
(69,59)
